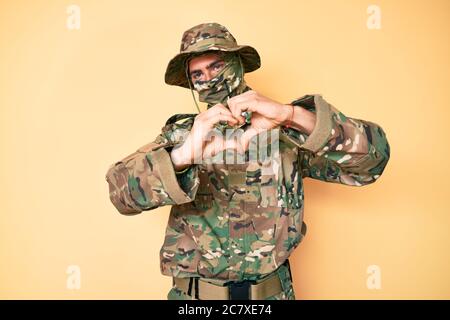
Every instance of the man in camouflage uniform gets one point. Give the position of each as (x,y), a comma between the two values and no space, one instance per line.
(233,225)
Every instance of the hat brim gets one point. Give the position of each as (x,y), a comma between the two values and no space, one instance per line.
(176,74)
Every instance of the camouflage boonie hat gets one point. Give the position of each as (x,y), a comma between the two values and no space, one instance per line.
(206,37)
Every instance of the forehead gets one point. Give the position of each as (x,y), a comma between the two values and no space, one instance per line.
(203,60)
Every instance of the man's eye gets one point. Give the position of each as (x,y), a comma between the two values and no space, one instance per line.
(196,75)
(218,66)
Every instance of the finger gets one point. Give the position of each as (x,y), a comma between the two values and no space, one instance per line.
(208,149)
(214,146)
(219,108)
(240,105)
(216,109)
(247,137)
(234,144)
(212,111)
(212,120)
(248,95)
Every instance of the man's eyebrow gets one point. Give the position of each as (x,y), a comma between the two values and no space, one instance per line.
(208,66)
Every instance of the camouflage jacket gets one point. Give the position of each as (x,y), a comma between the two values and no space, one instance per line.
(242,221)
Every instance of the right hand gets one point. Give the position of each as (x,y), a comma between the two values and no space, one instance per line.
(197,143)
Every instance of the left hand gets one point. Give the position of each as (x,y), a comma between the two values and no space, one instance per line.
(266,113)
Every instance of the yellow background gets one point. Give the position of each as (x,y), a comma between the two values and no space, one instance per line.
(72,102)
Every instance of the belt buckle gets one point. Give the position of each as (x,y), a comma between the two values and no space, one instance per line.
(240,290)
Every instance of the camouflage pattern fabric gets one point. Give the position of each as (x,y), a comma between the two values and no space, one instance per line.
(228,83)
(208,37)
(242,221)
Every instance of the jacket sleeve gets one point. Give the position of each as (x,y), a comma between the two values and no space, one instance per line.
(340,149)
(146,179)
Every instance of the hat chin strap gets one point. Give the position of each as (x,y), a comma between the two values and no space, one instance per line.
(190,87)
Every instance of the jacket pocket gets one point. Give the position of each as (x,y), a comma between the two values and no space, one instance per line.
(290,186)
(204,198)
